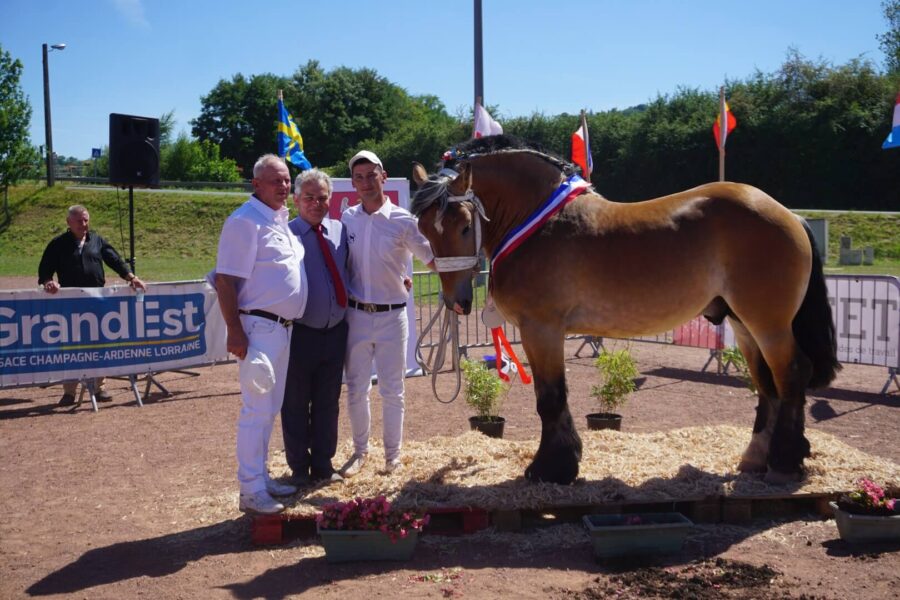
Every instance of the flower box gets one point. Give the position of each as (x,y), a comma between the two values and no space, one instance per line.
(856,528)
(368,529)
(345,546)
(637,534)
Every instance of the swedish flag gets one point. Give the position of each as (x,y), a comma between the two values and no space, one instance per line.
(290,142)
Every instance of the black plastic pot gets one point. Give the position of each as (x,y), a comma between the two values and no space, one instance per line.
(489,426)
(597,421)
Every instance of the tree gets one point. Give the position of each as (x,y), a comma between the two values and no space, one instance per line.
(17,156)
(166,127)
(337,110)
(192,160)
(889,41)
(239,116)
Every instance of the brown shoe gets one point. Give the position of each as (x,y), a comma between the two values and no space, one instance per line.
(66,400)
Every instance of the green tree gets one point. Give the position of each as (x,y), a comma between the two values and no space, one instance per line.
(337,110)
(889,41)
(18,157)
(192,160)
(239,116)
(166,127)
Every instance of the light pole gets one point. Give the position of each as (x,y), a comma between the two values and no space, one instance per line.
(51,179)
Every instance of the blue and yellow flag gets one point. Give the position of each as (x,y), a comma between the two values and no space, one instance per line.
(290,142)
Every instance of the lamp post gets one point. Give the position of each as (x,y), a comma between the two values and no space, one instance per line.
(51,179)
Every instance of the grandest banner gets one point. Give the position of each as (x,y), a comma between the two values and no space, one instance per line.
(91,332)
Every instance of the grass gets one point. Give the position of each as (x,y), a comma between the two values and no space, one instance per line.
(176,234)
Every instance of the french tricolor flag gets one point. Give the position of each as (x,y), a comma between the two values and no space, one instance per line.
(893,138)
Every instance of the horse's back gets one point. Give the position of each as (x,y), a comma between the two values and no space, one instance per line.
(646,266)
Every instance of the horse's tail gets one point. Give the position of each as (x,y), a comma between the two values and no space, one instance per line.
(813,324)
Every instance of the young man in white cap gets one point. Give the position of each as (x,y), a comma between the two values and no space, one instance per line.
(262,288)
(382,237)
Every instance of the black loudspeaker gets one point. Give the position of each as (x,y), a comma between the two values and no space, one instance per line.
(133,150)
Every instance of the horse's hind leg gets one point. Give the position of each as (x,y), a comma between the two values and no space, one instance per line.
(791,371)
(756,455)
(559,453)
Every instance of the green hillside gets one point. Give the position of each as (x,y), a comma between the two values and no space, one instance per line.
(176,233)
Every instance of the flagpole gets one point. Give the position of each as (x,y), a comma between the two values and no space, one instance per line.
(587,146)
(723,132)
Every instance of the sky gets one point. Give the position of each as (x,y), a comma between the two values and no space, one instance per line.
(148,57)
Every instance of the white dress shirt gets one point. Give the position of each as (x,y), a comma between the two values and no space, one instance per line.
(381,245)
(257,246)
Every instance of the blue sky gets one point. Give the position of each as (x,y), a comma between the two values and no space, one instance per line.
(146,57)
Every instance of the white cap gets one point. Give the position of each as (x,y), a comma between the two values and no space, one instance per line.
(256,369)
(365,155)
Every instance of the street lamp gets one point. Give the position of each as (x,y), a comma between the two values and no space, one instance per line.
(51,179)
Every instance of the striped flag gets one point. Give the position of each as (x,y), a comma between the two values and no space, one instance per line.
(581,149)
(484,123)
(720,134)
(893,138)
(290,142)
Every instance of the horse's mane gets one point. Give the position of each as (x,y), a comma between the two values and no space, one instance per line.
(435,189)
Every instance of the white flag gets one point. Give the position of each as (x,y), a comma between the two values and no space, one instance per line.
(484,123)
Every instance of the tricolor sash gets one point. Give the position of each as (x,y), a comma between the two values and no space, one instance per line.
(568,190)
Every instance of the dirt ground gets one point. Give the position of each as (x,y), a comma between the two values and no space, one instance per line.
(115,504)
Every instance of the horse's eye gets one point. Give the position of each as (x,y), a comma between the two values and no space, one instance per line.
(466,230)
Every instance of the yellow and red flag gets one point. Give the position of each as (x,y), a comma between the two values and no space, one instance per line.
(720,134)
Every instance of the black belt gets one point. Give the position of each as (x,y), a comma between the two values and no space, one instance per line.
(267,315)
(374,308)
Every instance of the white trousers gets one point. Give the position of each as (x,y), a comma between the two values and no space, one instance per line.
(258,410)
(379,337)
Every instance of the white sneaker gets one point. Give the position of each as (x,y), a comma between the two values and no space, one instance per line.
(276,488)
(353,466)
(392,465)
(260,503)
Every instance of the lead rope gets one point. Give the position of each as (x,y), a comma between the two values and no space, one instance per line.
(449,334)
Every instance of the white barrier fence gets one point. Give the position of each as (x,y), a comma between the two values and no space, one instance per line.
(82,333)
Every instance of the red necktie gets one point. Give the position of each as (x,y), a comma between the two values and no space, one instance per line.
(339,290)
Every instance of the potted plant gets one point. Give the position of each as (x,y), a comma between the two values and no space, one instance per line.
(734,357)
(482,393)
(368,529)
(867,514)
(636,534)
(617,371)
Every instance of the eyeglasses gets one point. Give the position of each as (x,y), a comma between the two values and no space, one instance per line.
(311,199)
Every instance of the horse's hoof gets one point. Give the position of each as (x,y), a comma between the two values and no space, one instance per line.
(774,477)
(561,469)
(751,466)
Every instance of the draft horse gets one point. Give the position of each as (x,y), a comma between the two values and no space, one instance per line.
(628,269)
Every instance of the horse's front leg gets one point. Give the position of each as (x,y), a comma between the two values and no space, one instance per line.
(559,453)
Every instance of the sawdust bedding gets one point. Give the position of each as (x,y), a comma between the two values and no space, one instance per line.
(473,470)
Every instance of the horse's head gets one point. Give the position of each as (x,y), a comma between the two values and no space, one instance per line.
(450,217)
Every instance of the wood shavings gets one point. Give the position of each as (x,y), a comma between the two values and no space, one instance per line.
(475,471)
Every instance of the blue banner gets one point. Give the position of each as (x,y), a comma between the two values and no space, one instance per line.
(98,332)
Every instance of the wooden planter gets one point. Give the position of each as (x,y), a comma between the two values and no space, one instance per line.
(651,533)
(865,528)
(489,426)
(345,546)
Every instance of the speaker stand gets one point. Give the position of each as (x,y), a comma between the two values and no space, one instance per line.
(150,374)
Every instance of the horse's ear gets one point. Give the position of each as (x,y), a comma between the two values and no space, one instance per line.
(462,182)
(419,174)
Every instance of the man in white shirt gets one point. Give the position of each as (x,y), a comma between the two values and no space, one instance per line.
(382,237)
(262,288)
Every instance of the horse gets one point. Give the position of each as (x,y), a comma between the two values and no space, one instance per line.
(610,269)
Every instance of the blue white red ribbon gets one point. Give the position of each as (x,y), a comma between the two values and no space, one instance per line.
(568,190)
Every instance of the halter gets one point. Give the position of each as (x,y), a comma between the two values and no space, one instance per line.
(449,264)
